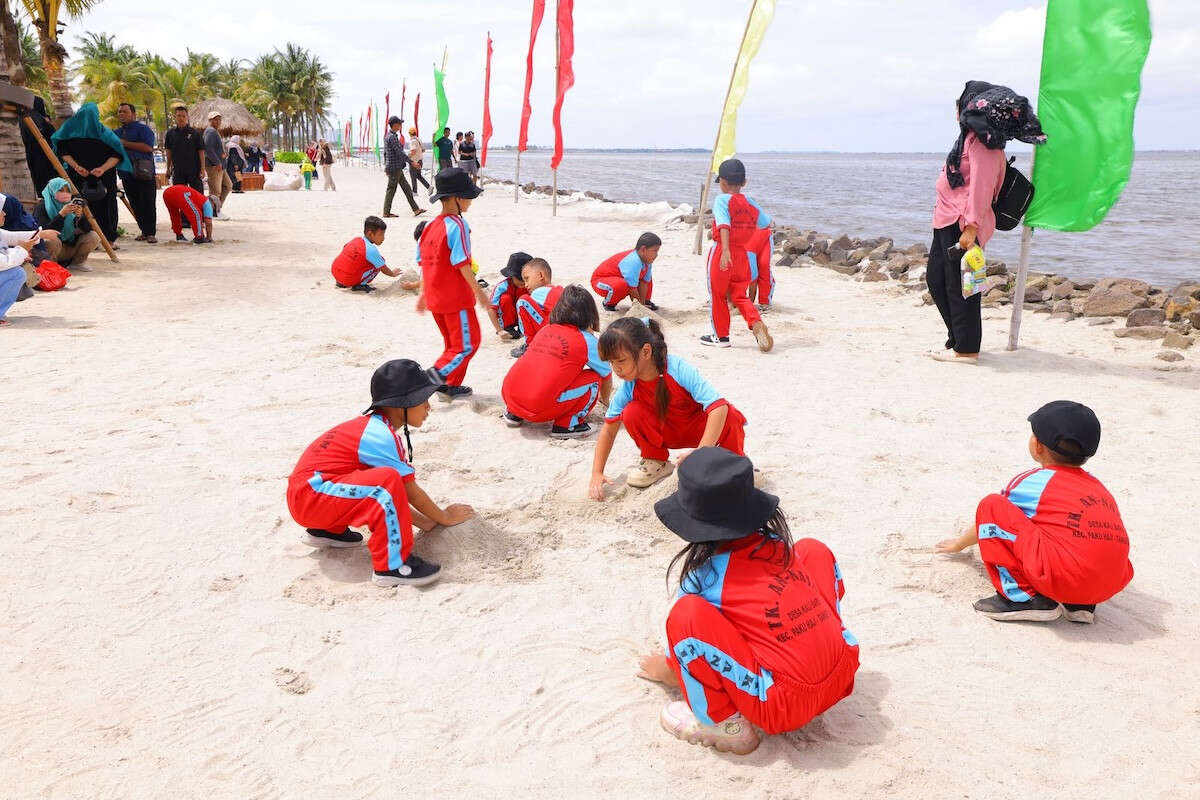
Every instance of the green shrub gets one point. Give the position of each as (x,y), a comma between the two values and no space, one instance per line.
(289,157)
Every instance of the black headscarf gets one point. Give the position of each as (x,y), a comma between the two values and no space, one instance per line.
(994,114)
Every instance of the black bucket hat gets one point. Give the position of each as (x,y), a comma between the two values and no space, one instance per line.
(454,182)
(1066,420)
(716,499)
(515,262)
(732,170)
(401,383)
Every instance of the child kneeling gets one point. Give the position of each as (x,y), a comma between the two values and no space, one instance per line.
(755,634)
(359,473)
(360,260)
(664,403)
(1053,542)
(561,375)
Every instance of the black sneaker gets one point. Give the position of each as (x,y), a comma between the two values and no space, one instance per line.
(179,237)
(613,307)
(714,341)
(578,432)
(518,351)
(340,285)
(414,572)
(650,305)
(512,420)
(1080,613)
(1038,608)
(315,537)
(513,331)
(448,393)
(202,240)
(366,288)
(482,283)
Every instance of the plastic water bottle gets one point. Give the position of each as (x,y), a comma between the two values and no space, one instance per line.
(974,271)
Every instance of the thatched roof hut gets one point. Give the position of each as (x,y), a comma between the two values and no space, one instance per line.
(235,117)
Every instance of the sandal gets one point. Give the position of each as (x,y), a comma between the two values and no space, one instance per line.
(150,240)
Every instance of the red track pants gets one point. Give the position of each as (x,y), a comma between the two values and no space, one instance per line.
(460,332)
(655,437)
(507,311)
(720,675)
(572,405)
(614,290)
(726,285)
(372,497)
(530,317)
(760,268)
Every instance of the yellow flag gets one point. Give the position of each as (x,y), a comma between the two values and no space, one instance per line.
(761,14)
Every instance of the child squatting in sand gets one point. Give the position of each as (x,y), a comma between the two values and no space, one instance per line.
(755,635)
(359,473)
(1053,542)
(360,260)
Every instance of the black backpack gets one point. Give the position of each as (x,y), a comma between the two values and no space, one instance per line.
(1016,193)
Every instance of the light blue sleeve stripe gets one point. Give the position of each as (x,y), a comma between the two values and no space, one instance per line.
(690,379)
(991,531)
(378,447)
(1028,493)
(752,683)
(418,254)
(721,210)
(374,257)
(595,362)
(458,239)
(540,294)
(498,292)
(620,398)
(764,221)
(631,268)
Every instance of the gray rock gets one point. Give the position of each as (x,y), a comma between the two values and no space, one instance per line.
(1177,341)
(689,219)
(845,269)
(858,254)
(1145,316)
(995,282)
(843,242)
(1188,288)
(1180,306)
(917,250)
(1168,355)
(1062,291)
(1065,316)
(1142,332)
(1063,307)
(996,297)
(1194,318)
(1033,294)
(1115,301)
(819,247)
(1157,300)
(916,286)
(1085,286)
(838,255)
(873,276)
(785,261)
(797,246)
(881,250)
(927,298)
(996,267)
(1140,288)
(1101,321)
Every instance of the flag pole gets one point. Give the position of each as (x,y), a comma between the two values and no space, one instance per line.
(697,249)
(557,61)
(1014,325)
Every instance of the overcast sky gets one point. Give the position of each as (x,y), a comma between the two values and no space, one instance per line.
(848,75)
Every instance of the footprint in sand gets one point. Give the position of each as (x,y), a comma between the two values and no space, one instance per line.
(226,583)
(292,682)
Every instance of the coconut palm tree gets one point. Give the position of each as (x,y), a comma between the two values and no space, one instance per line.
(112,82)
(46,16)
(13,166)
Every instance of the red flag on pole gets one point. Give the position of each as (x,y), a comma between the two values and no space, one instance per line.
(417,113)
(487,113)
(360,129)
(403,91)
(566,76)
(387,112)
(539,8)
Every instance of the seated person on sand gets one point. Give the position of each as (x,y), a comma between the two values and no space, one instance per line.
(1053,542)
(629,273)
(663,403)
(534,308)
(360,260)
(14,253)
(68,236)
(755,634)
(360,473)
(185,203)
(561,376)
(507,292)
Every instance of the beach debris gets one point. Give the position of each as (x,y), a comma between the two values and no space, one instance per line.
(1168,355)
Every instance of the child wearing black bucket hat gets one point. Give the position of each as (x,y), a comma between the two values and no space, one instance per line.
(449,288)
(1053,541)
(506,293)
(360,473)
(755,635)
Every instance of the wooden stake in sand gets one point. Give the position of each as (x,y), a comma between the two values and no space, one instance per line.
(1014,325)
(517,179)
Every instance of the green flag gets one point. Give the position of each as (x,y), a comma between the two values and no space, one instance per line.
(442,103)
(1092,57)
(375,131)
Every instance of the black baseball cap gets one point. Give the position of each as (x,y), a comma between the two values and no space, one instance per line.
(732,170)
(1066,420)
(401,383)
(515,262)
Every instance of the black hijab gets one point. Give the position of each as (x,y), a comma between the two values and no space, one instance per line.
(994,114)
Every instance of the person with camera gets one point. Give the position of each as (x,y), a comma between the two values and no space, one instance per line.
(140,184)
(95,154)
(62,213)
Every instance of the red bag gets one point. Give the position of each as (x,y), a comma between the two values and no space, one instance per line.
(53,276)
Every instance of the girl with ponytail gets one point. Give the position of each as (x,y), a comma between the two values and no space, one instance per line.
(664,404)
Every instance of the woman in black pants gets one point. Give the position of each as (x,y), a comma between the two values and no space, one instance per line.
(987,116)
(416,159)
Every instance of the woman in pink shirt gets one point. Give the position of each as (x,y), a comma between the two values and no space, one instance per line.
(988,116)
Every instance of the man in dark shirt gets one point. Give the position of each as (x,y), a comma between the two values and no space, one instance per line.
(394,164)
(138,140)
(466,156)
(183,145)
(445,150)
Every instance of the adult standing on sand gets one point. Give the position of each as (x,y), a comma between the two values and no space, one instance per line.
(394,164)
(988,116)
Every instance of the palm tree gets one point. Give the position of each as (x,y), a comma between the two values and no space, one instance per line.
(45,15)
(112,82)
(35,75)
(13,166)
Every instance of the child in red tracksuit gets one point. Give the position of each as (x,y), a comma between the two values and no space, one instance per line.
(360,260)
(449,288)
(762,281)
(359,473)
(629,273)
(1053,542)
(736,219)
(561,375)
(535,308)
(755,636)
(663,403)
(185,203)
(507,293)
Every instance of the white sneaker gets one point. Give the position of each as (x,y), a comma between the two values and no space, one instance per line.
(648,472)
(80,268)
(223,216)
(735,735)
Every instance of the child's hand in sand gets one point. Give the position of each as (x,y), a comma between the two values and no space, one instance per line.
(410,284)
(679,458)
(958,543)
(456,514)
(596,487)
(654,667)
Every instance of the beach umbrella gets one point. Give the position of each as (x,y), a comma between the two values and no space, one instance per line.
(235,117)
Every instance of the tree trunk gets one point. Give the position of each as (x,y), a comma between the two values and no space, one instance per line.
(14,169)
(53,56)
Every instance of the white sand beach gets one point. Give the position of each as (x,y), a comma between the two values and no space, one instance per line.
(166,634)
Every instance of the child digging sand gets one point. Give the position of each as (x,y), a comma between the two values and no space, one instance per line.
(1053,542)
(534,309)
(663,403)
(359,473)
(507,293)
(360,260)
(755,634)
(629,273)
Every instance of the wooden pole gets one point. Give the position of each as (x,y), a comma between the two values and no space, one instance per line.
(716,139)
(517,179)
(87,212)
(557,59)
(1014,325)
